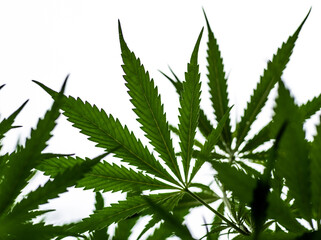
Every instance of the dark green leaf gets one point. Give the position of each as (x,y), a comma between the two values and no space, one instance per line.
(218,83)
(315,153)
(148,107)
(108,133)
(20,164)
(293,161)
(190,107)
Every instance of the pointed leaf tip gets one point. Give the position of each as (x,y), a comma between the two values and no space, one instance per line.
(120,30)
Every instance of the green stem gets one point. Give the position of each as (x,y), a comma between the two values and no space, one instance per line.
(228,222)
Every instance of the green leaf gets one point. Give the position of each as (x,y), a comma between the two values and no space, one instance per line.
(259,204)
(218,225)
(7,124)
(190,106)
(315,153)
(172,223)
(176,83)
(102,233)
(169,205)
(204,124)
(217,83)
(124,227)
(258,139)
(51,189)
(315,235)
(307,110)
(212,139)
(293,161)
(271,75)
(108,133)
(281,212)
(148,107)
(117,212)
(105,176)
(311,107)
(33,232)
(110,177)
(270,235)
(20,164)
(241,184)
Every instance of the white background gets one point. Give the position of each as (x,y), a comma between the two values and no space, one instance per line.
(45,40)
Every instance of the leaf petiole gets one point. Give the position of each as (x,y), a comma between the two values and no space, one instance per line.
(228,222)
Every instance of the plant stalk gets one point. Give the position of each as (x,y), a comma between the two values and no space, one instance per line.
(228,222)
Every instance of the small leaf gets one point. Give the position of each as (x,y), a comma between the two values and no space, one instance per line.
(311,107)
(7,124)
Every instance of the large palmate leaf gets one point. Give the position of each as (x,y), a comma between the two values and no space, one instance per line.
(148,106)
(271,75)
(217,83)
(108,133)
(293,162)
(105,176)
(189,110)
(18,168)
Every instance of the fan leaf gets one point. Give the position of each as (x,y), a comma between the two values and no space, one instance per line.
(217,83)
(108,133)
(190,107)
(271,75)
(148,107)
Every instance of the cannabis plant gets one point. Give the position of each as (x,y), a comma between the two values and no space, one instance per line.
(268,204)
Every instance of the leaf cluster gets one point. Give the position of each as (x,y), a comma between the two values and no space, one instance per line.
(160,183)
